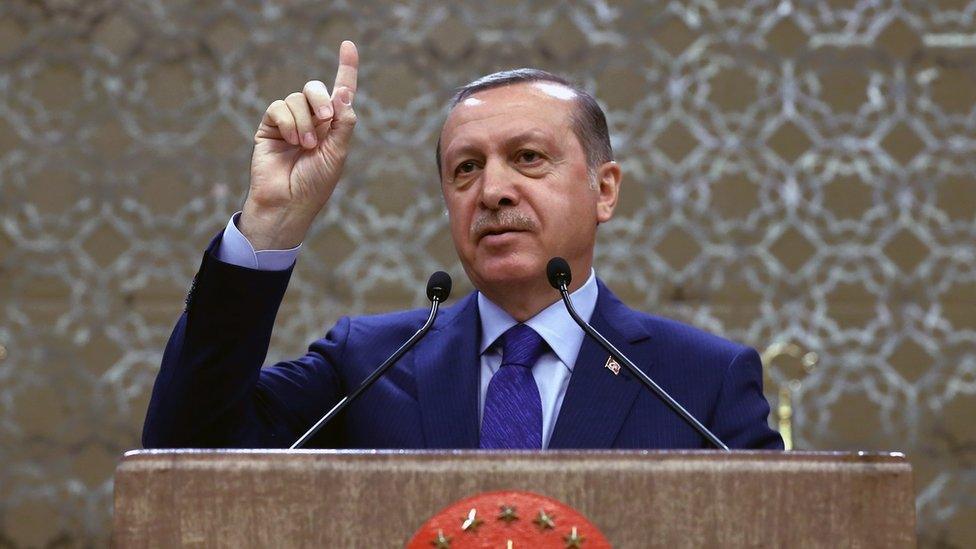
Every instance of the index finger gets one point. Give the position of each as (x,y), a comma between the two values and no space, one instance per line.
(348,67)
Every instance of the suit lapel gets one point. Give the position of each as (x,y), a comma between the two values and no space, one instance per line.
(448,367)
(597,401)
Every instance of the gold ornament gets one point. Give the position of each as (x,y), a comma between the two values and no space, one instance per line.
(544,521)
(472,522)
(573,540)
(441,541)
(507,514)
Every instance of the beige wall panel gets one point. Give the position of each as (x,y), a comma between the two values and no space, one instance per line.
(795,173)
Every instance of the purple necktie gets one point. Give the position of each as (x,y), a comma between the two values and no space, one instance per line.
(513,409)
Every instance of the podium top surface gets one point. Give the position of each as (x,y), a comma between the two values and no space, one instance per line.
(378,498)
(764,456)
(425,462)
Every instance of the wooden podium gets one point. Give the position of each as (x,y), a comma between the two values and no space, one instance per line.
(318,498)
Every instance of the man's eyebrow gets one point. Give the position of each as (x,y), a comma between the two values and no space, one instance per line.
(529,135)
(467,149)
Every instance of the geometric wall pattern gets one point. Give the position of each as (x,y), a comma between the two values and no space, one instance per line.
(795,172)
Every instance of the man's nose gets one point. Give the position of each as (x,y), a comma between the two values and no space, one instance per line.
(498,186)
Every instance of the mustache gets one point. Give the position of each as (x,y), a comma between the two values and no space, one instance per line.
(502,220)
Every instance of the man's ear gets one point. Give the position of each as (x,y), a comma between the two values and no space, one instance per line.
(608,178)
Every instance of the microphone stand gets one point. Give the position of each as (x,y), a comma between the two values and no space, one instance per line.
(341,405)
(647,381)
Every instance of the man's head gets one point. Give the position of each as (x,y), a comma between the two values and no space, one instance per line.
(588,121)
(527,173)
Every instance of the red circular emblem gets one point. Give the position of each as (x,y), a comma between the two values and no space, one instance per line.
(509,519)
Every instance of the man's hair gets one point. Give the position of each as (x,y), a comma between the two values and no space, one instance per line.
(588,121)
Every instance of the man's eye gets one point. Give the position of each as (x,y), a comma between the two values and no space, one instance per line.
(466,167)
(528,156)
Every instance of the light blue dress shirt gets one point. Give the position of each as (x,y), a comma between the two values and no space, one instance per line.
(557,328)
(554,368)
(237,250)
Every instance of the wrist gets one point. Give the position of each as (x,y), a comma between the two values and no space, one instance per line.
(273,229)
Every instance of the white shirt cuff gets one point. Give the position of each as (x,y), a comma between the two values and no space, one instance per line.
(235,249)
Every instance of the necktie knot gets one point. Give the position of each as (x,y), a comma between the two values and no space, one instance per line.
(522,346)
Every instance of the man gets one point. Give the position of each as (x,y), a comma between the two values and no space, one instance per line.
(527,173)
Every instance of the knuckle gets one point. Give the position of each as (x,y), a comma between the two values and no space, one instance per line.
(295,96)
(278,117)
(285,122)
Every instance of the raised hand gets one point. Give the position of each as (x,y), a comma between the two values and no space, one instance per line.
(299,151)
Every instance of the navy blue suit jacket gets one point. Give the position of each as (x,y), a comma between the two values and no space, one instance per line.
(213,392)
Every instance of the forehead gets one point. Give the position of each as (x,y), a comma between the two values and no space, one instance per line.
(545,106)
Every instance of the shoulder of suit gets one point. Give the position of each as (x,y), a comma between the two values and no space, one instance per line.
(673,333)
(390,322)
(687,340)
(403,323)
(680,329)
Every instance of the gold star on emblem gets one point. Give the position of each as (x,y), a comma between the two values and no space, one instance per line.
(507,514)
(472,522)
(573,540)
(441,541)
(544,521)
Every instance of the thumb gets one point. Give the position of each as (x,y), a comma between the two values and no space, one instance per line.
(343,121)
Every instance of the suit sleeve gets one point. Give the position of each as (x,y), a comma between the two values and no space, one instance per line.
(211,390)
(741,412)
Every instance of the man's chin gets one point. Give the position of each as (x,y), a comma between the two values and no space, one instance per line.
(506,271)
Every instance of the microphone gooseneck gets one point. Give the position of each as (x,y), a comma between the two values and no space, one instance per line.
(560,275)
(438,290)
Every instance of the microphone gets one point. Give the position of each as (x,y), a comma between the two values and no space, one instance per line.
(438,289)
(560,275)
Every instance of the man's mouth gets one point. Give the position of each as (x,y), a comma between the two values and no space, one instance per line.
(497,231)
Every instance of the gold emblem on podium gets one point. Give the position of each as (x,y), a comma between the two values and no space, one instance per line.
(471,522)
(556,525)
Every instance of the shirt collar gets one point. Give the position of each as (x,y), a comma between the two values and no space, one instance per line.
(553,323)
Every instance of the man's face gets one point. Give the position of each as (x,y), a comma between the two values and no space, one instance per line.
(515,181)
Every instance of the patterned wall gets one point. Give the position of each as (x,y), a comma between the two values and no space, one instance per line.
(796,172)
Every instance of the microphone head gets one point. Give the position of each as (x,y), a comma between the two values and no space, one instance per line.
(439,286)
(559,273)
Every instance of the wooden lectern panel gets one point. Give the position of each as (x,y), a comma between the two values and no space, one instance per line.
(320,498)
